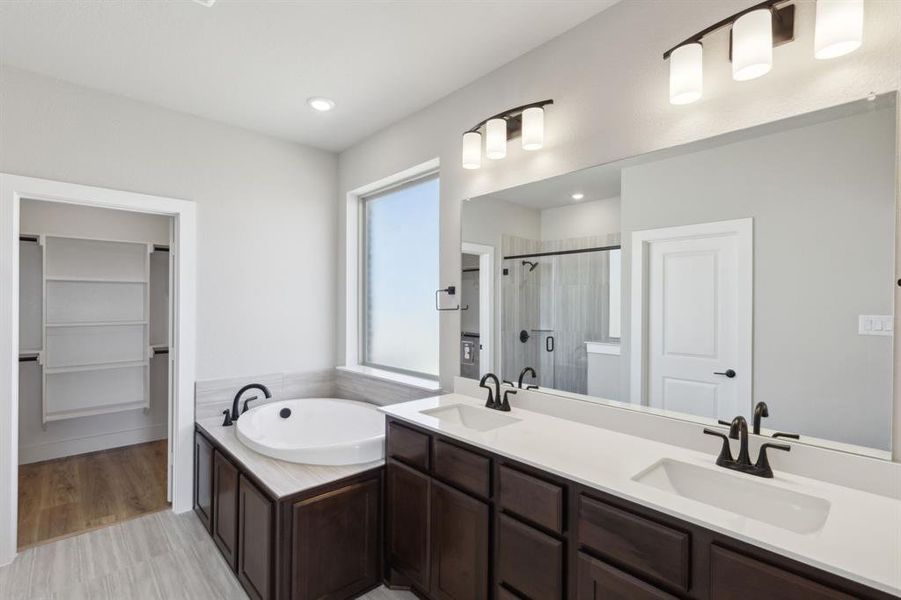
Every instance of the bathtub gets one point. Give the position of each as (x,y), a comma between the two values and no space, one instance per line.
(315,431)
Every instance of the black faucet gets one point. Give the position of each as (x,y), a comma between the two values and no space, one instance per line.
(522,375)
(493,399)
(249,386)
(505,405)
(738,429)
(761,410)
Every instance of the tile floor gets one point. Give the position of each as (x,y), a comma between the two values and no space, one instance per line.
(162,556)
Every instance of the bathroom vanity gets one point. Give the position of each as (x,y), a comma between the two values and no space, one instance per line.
(288,530)
(470,513)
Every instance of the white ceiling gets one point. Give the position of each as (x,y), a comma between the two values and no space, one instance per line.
(254,63)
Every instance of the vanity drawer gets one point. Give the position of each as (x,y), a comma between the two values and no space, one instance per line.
(597,579)
(531,498)
(408,446)
(644,546)
(736,576)
(466,470)
(529,561)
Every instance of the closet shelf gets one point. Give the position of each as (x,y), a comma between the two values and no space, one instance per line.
(95,280)
(125,364)
(97,323)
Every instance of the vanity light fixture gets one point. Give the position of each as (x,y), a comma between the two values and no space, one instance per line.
(839,28)
(320,104)
(752,45)
(754,33)
(525,121)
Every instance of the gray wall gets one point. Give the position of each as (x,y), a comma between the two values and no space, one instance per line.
(823,202)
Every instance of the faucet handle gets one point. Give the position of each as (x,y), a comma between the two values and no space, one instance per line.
(792,436)
(505,405)
(228,418)
(246,402)
(725,456)
(762,467)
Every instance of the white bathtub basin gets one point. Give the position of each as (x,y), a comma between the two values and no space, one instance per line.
(319,431)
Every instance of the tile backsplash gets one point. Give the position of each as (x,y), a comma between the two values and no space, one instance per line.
(215,395)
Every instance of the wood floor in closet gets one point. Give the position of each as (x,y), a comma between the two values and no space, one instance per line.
(64,496)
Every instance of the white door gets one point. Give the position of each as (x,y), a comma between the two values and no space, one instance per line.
(697,322)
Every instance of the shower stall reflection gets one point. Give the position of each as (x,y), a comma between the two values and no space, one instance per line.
(561,301)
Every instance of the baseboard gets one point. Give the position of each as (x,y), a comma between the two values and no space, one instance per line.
(117,439)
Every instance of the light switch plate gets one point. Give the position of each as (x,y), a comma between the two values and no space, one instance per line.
(875,324)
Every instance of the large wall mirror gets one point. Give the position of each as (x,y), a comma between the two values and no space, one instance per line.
(699,281)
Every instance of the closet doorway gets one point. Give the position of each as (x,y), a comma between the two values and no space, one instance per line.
(97,342)
(94,329)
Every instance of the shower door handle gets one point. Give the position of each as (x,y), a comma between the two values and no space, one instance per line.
(549,343)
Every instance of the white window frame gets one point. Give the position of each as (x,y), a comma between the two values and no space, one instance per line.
(354,274)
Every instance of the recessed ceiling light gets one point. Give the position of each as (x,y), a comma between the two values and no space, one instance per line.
(207,3)
(578,196)
(321,104)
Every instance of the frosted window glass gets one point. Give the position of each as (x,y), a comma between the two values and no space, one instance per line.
(400,323)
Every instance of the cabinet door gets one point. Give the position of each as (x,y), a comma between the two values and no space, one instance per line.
(225,507)
(598,580)
(203,480)
(528,561)
(335,543)
(255,562)
(734,576)
(407,523)
(459,552)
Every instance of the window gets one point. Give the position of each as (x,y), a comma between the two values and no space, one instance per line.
(400,276)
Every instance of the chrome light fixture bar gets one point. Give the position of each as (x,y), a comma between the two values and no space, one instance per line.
(754,33)
(526,122)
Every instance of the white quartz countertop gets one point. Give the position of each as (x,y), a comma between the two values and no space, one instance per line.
(282,478)
(860,540)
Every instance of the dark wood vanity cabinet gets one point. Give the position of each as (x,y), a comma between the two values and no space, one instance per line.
(225,507)
(203,481)
(322,543)
(463,523)
(335,542)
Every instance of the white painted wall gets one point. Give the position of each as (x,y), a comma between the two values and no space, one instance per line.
(265,209)
(609,85)
(823,202)
(580,219)
(87,434)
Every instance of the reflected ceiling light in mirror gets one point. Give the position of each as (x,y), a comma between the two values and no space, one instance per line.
(526,121)
(472,150)
(496,139)
(839,28)
(320,104)
(533,128)
(578,196)
(752,45)
(686,74)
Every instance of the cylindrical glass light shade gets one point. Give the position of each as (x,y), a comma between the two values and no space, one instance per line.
(839,28)
(752,45)
(686,74)
(496,138)
(472,150)
(532,128)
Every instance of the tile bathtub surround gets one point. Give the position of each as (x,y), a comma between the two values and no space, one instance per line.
(215,395)
(282,478)
(162,556)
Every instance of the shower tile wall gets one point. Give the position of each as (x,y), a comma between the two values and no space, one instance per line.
(566,297)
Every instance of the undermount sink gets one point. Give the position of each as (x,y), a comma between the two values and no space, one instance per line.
(471,417)
(739,494)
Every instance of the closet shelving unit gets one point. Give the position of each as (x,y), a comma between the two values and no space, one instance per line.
(96,347)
